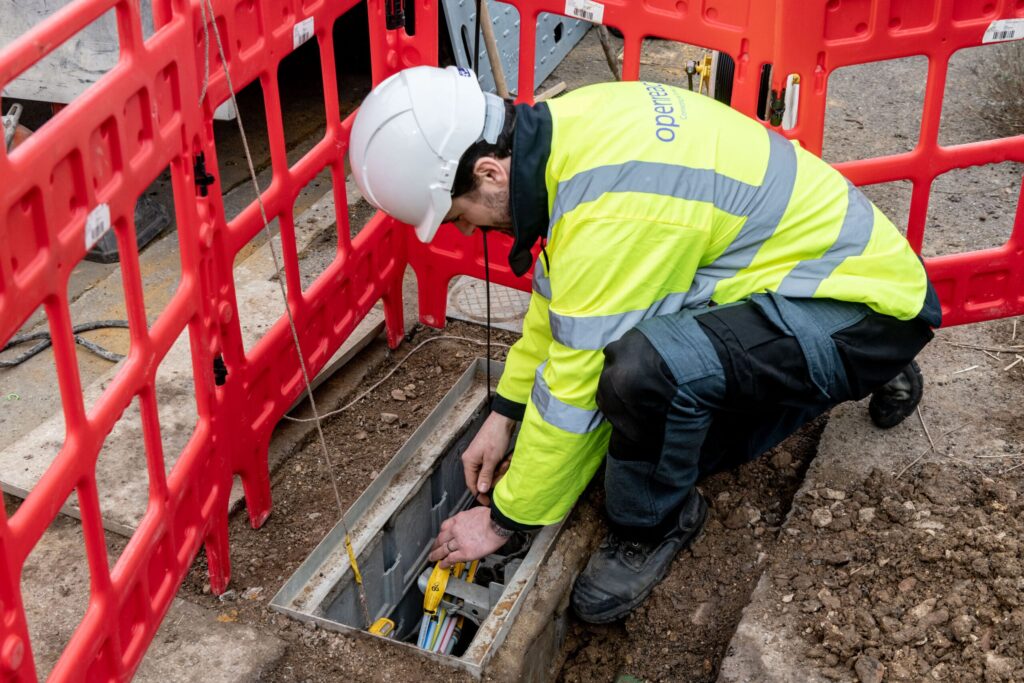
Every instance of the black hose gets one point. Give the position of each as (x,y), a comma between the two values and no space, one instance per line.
(45,342)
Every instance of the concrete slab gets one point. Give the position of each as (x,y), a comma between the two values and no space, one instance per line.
(121,469)
(970,408)
(193,639)
(189,637)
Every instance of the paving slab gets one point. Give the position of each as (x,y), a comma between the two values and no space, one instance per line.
(190,637)
(121,469)
(970,409)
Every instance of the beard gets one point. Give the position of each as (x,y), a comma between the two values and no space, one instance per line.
(498,202)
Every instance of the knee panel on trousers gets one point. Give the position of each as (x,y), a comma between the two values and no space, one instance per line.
(634,393)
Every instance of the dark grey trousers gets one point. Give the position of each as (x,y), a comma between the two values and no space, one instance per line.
(700,391)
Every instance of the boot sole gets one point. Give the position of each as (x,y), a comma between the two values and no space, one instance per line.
(623,610)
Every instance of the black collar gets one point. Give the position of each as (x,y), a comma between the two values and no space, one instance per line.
(528,194)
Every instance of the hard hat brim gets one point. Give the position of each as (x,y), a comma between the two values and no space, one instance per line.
(440,203)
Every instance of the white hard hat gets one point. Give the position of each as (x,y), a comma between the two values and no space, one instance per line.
(409,135)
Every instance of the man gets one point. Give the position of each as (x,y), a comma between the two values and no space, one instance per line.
(705,288)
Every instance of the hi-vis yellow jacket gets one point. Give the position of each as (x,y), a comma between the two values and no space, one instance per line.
(658,199)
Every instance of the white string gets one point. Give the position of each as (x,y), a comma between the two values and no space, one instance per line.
(284,295)
(206,54)
(385,378)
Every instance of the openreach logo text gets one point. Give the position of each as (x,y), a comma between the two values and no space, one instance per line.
(667,112)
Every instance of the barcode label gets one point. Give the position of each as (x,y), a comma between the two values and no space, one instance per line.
(587,10)
(97,223)
(302,32)
(1004,29)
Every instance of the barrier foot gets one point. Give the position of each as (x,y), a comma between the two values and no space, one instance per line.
(394,312)
(218,560)
(256,486)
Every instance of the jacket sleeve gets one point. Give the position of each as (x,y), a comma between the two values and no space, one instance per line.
(602,285)
(525,355)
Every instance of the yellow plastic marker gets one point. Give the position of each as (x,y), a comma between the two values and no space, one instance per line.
(436,586)
(352,560)
(383,627)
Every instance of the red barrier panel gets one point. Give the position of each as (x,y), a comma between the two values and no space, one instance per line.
(812,40)
(145,115)
(98,156)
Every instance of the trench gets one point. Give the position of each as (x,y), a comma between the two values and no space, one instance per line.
(680,633)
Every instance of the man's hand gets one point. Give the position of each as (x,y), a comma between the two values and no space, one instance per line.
(485,453)
(466,537)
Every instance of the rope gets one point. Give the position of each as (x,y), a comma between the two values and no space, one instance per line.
(284,296)
(487,289)
(393,370)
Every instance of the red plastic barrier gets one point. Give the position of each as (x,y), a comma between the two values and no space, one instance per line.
(104,149)
(145,114)
(813,39)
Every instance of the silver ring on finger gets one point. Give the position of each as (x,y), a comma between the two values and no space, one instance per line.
(448,545)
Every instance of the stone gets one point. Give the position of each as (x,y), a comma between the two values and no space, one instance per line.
(388,418)
(398,394)
(821,517)
(829,600)
(869,669)
(923,609)
(866,515)
(741,517)
(252,593)
(833,494)
(228,596)
(999,668)
(907,584)
(361,435)
(961,627)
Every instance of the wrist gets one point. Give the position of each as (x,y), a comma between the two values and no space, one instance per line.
(499,530)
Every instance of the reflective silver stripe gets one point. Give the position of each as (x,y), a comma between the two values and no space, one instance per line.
(596,332)
(763,205)
(852,240)
(667,180)
(765,212)
(541,282)
(683,182)
(763,217)
(560,414)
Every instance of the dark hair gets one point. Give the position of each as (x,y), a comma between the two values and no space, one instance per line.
(465,182)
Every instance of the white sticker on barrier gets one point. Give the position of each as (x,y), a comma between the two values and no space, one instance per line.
(1004,29)
(302,32)
(587,10)
(97,223)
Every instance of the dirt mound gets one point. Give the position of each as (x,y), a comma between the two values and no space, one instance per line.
(680,633)
(910,579)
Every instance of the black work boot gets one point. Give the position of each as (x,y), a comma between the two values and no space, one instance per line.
(622,573)
(897,398)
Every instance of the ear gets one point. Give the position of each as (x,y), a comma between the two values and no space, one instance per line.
(491,170)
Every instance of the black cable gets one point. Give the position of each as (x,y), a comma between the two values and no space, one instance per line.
(487,287)
(47,342)
(475,60)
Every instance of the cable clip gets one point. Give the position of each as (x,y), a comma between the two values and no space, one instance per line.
(394,14)
(203,179)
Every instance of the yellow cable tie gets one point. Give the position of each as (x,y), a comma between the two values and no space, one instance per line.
(352,560)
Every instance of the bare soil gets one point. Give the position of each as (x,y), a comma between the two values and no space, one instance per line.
(917,577)
(681,632)
(362,440)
